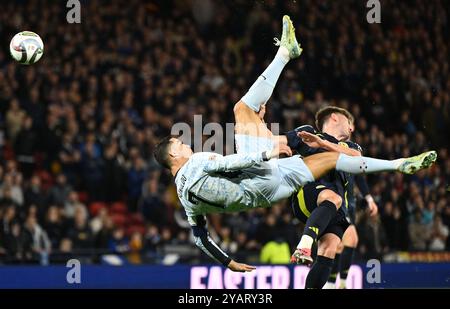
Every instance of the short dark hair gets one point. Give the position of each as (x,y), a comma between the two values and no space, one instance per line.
(325,112)
(161,151)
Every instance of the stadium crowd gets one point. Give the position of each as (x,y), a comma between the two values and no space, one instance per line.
(77,176)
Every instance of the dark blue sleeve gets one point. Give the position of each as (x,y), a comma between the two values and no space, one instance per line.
(204,242)
(362,184)
(296,143)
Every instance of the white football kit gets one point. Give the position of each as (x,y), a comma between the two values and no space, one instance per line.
(212,183)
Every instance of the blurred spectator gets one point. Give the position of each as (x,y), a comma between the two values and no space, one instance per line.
(373,241)
(166,237)
(41,244)
(268,230)
(79,230)
(182,238)
(71,204)
(25,147)
(118,242)
(114,173)
(63,252)
(275,252)
(65,245)
(12,190)
(152,240)
(429,213)
(136,177)
(151,205)
(289,231)
(60,191)
(54,226)
(418,232)
(70,158)
(439,235)
(136,245)
(8,219)
(102,225)
(391,219)
(34,195)
(14,119)
(18,245)
(100,220)
(227,243)
(92,171)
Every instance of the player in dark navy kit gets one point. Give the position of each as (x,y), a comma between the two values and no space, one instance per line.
(323,204)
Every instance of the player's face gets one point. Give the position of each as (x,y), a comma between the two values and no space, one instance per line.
(178,149)
(345,126)
(352,129)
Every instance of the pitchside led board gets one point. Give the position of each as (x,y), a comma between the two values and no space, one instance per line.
(263,277)
(79,276)
(167,277)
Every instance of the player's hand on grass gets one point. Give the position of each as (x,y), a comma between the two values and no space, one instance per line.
(240,267)
(311,140)
(280,150)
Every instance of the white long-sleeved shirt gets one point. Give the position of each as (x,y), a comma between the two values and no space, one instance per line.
(211,183)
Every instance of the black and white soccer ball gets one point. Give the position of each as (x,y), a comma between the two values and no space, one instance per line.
(26,47)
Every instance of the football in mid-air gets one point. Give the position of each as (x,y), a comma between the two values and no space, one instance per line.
(26,47)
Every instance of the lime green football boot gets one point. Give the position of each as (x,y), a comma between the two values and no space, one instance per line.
(413,164)
(288,39)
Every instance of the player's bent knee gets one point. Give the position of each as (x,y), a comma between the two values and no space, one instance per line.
(240,108)
(329,195)
(340,248)
(351,238)
(328,245)
(247,121)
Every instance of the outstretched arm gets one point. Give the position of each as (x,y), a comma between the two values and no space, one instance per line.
(236,162)
(316,141)
(204,242)
(307,142)
(232,162)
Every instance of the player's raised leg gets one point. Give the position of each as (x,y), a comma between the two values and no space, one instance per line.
(249,111)
(321,163)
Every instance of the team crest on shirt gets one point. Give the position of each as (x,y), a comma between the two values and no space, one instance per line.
(343,144)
